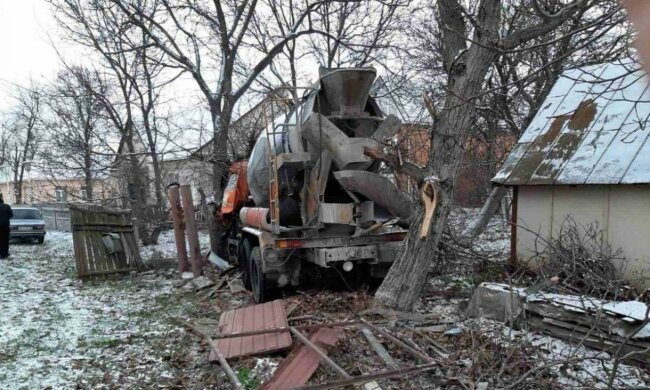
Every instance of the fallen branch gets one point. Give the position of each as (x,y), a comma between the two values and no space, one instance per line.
(222,360)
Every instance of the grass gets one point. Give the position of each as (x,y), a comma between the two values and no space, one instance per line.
(247,378)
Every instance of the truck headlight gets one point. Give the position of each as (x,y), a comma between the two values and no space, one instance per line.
(271,255)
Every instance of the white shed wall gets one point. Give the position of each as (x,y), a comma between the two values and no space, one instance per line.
(622,211)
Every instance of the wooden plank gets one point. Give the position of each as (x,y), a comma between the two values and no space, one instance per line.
(379,349)
(301,363)
(254,319)
(321,353)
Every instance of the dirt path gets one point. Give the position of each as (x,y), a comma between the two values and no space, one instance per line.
(58,331)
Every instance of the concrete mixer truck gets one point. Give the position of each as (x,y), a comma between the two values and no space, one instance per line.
(309,194)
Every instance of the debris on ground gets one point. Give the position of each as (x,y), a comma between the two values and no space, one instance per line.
(257,319)
(296,369)
(618,327)
(132,331)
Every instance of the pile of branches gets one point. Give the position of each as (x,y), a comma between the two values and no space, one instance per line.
(582,261)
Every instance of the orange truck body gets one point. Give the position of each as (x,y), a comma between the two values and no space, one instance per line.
(236,191)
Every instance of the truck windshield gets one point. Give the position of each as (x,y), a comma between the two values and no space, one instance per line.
(26,214)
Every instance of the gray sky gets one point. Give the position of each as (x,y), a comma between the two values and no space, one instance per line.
(26,51)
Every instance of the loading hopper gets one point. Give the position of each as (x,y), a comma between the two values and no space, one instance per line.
(347,90)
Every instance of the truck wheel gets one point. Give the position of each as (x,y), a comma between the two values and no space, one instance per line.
(40,239)
(258,280)
(244,263)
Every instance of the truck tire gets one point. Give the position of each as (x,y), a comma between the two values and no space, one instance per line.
(258,280)
(244,263)
(40,239)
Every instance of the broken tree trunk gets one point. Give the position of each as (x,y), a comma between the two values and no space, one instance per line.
(191,230)
(179,228)
(490,207)
(406,279)
(466,59)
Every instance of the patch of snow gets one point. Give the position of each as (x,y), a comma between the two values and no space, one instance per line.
(57,330)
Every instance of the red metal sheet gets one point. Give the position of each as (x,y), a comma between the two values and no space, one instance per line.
(302,362)
(270,315)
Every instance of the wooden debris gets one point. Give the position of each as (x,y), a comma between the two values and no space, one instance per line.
(379,349)
(370,377)
(589,321)
(394,314)
(321,354)
(236,285)
(255,318)
(371,386)
(296,369)
(202,282)
(215,350)
(104,241)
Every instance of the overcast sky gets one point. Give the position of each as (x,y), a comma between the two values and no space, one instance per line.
(25,51)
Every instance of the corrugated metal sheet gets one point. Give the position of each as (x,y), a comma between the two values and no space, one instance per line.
(270,315)
(591,129)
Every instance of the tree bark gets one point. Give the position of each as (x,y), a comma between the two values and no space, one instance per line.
(407,277)
(490,207)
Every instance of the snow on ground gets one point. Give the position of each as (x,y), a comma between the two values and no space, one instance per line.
(574,366)
(61,332)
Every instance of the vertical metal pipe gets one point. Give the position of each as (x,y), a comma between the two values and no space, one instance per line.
(179,228)
(190,228)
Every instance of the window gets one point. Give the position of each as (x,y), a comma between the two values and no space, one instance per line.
(83,193)
(26,214)
(61,194)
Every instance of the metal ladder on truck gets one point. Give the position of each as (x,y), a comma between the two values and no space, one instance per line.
(282,159)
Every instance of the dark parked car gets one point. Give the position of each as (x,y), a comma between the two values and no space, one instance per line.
(27,223)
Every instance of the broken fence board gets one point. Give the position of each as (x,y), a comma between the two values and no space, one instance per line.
(296,369)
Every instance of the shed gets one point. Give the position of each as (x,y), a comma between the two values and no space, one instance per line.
(586,155)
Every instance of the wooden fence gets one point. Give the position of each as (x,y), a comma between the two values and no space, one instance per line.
(104,240)
(56,218)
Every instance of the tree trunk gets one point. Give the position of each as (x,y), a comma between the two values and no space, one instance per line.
(220,123)
(467,69)
(490,207)
(88,176)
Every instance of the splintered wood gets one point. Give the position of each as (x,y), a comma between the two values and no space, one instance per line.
(262,317)
(302,362)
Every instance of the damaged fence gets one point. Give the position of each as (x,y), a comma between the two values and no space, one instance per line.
(104,241)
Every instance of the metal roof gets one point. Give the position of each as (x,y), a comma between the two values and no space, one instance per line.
(591,129)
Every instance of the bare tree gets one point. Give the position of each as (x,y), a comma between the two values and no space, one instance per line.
(22,135)
(75,131)
(136,73)
(472,41)
(206,39)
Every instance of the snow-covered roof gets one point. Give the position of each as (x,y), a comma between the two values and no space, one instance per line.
(591,129)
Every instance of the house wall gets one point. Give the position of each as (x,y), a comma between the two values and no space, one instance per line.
(44,191)
(621,211)
(196,173)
